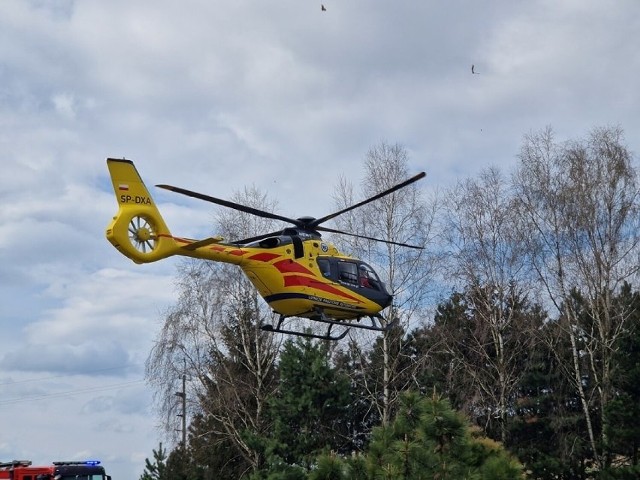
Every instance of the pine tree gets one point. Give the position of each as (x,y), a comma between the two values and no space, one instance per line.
(624,410)
(156,470)
(426,440)
(309,409)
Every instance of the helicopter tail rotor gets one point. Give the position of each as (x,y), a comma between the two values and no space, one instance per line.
(137,230)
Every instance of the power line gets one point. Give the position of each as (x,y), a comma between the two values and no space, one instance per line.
(102,388)
(87,372)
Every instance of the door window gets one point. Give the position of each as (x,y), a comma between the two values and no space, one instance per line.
(348,272)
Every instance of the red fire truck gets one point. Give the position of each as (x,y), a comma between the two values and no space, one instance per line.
(22,470)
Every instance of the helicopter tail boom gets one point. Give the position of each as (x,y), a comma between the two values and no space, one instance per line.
(137,230)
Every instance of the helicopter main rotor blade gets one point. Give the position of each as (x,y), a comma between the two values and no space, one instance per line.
(227,203)
(340,232)
(415,178)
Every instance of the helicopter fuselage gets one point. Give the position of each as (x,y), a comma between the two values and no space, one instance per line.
(301,278)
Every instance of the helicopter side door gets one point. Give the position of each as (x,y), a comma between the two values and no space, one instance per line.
(339,270)
(351,273)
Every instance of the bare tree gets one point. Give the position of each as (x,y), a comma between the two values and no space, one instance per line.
(401,217)
(214,331)
(578,202)
(487,260)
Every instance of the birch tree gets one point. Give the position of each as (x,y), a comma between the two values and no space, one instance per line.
(487,260)
(212,335)
(405,217)
(578,203)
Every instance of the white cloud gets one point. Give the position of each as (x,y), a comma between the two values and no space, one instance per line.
(64,104)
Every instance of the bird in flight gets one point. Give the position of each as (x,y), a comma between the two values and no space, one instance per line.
(473,70)
(322,8)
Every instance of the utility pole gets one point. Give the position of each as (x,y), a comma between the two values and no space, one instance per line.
(183,396)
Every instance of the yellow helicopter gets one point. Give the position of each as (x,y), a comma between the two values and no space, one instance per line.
(294,270)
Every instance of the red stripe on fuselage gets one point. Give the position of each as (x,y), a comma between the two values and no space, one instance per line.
(289,266)
(263,257)
(298,281)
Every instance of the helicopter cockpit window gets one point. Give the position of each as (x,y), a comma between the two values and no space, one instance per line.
(348,272)
(367,277)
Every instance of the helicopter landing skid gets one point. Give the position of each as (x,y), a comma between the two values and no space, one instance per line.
(321,317)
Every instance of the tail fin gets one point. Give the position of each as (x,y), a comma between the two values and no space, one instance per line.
(137,230)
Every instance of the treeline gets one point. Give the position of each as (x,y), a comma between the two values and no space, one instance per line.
(521,313)
(315,429)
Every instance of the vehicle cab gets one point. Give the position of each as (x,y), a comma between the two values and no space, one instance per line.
(23,470)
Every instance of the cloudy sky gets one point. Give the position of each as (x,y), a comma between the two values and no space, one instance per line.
(218,95)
